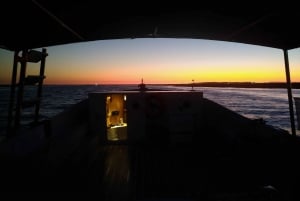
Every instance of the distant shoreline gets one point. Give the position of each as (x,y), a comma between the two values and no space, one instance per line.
(271,85)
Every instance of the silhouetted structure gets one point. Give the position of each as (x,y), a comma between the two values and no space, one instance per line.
(16,107)
(142,86)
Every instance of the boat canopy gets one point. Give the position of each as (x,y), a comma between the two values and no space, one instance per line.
(36,24)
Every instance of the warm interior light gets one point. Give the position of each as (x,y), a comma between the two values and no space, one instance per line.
(116,120)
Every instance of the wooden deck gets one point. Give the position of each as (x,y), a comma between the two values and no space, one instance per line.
(236,160)
(145,172)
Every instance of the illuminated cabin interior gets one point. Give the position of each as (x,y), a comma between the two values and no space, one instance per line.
(140,117)
(116,117)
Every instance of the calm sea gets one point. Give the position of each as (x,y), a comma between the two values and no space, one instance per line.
(268,104)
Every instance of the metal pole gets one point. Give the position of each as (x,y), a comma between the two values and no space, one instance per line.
(59,21)
(40,85)
(289,90)
(21,88)
(12,93)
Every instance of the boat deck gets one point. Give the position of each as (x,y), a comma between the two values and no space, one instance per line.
(122,172)
(232,159)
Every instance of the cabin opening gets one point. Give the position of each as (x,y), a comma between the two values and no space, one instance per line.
(116,117)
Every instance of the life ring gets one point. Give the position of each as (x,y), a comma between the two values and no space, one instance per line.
(154,106)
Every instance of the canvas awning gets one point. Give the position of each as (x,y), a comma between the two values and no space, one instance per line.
(35,24)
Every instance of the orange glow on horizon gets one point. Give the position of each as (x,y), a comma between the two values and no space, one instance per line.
(159,61)
(157,76)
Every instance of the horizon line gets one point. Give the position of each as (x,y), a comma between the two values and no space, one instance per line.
(210,82)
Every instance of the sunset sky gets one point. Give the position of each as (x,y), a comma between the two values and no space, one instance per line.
(159,61)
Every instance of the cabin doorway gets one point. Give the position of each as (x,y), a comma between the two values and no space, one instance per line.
(116,117)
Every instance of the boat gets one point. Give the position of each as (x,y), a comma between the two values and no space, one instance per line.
(147,144)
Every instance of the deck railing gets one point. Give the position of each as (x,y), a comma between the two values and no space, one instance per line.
(297,104)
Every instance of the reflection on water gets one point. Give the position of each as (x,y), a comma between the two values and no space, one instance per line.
(269,104)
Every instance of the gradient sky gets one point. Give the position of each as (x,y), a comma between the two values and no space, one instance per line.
(159,61)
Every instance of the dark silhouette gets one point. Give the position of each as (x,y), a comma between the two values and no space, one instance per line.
(142,86)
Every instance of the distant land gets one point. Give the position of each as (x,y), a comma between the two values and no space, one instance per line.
(295,85)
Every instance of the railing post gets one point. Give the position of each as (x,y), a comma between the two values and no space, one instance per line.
(289,90)
(21,88)
(40,84)
(12,93)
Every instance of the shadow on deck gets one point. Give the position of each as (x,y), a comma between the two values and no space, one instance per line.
(232,159)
